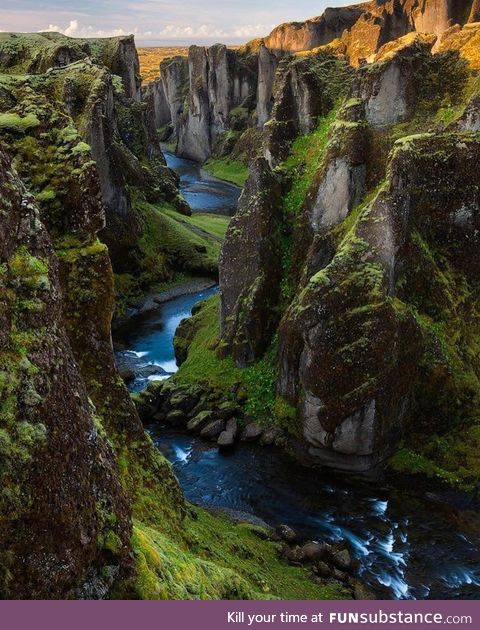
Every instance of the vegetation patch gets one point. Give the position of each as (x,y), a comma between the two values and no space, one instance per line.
(216,559)
(305,158)
(228,170)
(20,124)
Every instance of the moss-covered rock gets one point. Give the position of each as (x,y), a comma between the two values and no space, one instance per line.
(372,197)
(250,268)
(58,468)
(36,53)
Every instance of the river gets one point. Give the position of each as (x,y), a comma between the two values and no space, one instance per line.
(407,549)
(203,192)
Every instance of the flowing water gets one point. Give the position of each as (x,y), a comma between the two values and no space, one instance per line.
(406,548)
(203,192)
(148,338)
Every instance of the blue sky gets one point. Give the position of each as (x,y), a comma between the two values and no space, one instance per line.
(157,22)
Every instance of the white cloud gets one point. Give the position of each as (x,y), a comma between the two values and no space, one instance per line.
(253,30)
(169,31)
(74,29)
(52,28)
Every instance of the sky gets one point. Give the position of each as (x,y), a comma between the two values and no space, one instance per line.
(160,22)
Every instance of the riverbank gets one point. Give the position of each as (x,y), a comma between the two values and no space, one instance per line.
(408,544)
(227,170)
(152,301)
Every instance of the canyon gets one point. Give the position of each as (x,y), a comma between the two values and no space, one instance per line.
(346,326)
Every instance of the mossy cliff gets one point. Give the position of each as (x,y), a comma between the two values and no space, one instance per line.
(36,53)
(73,119)
(58,468)
(213,104)
(372,280)
(88,507)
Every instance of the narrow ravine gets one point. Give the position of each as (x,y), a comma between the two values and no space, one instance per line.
(204,192)
(406,548)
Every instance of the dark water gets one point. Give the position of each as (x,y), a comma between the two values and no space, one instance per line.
(405,548)
(203,192)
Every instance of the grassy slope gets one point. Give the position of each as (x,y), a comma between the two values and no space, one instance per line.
(171,241)
(228,170)
(216,559)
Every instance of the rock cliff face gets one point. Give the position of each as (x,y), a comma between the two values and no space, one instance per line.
(36,53)
(297,36)
(475,12)
(267,67)
(156,99)
(305,89)
(368,26)
(80,543)
(222,80)
(253,242)
(174,78)
(379,229)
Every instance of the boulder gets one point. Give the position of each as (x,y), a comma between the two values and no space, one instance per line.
(126,374)
(287,533)
(226,440)
(212,430)
(176,418)
(342,559)
(232,427)
(270,436)
(251,432)
(341,576)
(228,409)
(311,552)
(322,569)
(184,399)
(149,401)
(198,423)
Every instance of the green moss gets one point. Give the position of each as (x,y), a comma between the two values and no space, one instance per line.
(219,560)
(19,124)
(238,117)
(81,147)
(305,158)
(71,250)
(110,541)
(286,416)
(170,241)
(28,270)
(409,462)
(228,170)
(203,363)
(24,284)
(260,381)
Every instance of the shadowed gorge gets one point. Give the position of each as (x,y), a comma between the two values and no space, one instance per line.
(283,237)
